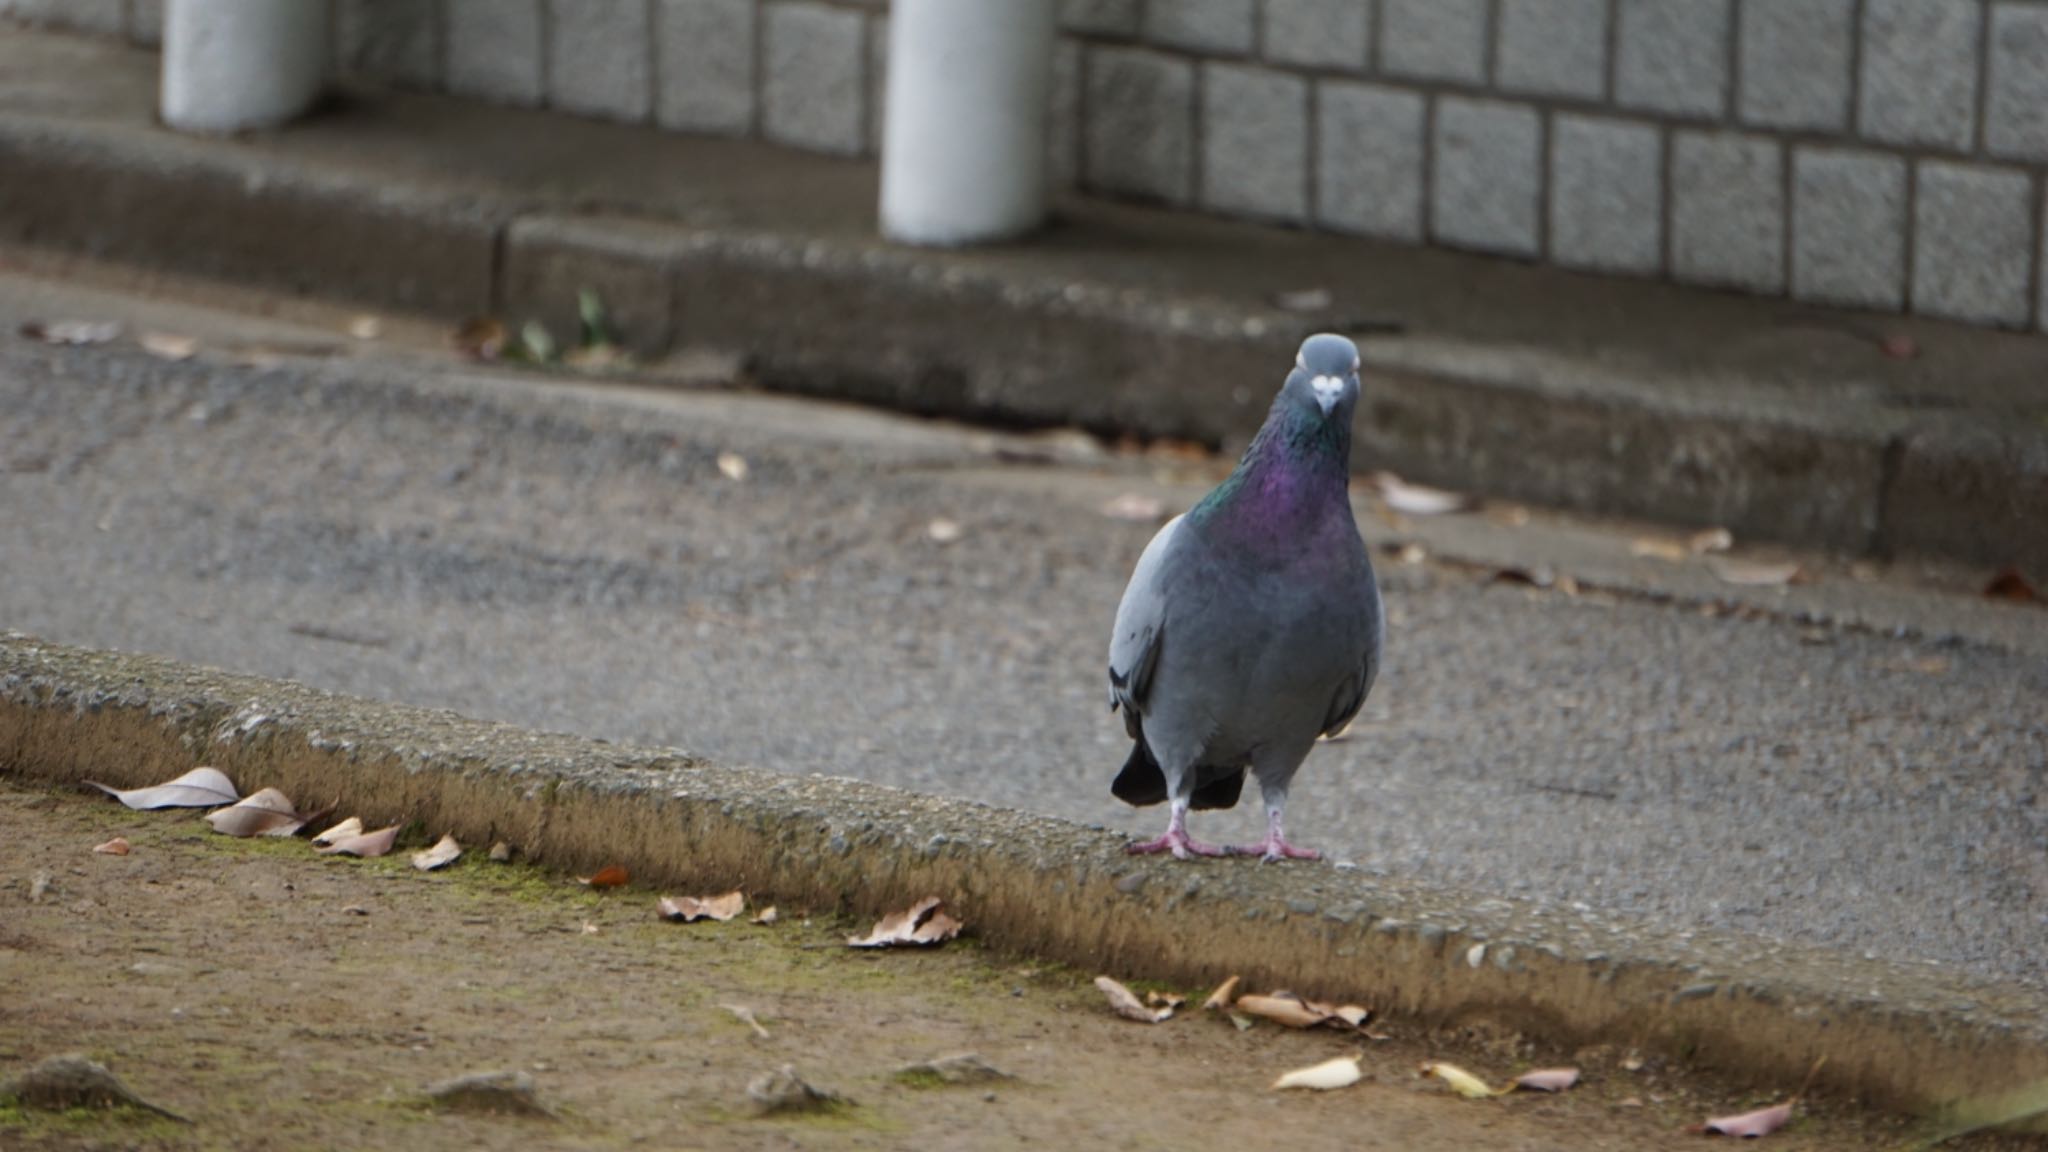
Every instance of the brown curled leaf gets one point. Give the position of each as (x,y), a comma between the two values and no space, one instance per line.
(609,876)
(366,845)
(688,909)
(444,852)
(1547,1080)
(1748,1125)
(923,924)
(267,813)
(1126,1004)
(1222,997)
(199,788)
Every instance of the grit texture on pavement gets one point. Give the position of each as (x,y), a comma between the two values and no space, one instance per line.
(575,557)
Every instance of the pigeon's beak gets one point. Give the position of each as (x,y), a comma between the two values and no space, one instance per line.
(1328,390)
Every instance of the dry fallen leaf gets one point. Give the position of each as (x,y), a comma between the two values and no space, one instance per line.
(686,909)
(365,327)
(598,357)
(1763,1121)
(1750,1125)
(351,827)
(1133,506)
(118,846)
(1754,573)
(267,813)
(943,531)
(732,465)
(1547,1080)
(745,1015)
(482,337)
(1282,1007)
(1126,1003)
(1339,1073)
(1222,996)
(924,923)
(368,844)
(2011,584)
(199,788)
(1539,576)
(72,331)
(609,876)
(1419,499)
(1462,1082)
(444,852)
(1169,1000)
(766,915)
(1297,1012)
(1710,540)
(169,346)
(1657,548)
(501,852)
(1303,300)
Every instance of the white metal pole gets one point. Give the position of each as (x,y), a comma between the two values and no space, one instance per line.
(963,147)
(231,65)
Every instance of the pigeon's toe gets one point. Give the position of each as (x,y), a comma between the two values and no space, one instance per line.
(1275,848)
(1181,845)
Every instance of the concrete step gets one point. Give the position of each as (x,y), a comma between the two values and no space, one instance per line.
(1778,421)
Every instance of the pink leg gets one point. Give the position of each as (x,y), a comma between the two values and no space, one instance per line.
(1176,840)
(1275,845)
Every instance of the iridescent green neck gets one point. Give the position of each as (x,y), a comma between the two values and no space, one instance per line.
(1298,465)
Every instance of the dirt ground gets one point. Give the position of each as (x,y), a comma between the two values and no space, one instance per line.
(281,999)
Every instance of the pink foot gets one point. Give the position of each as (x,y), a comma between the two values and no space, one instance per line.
(1274,848)
(1275,845)
(1182,845)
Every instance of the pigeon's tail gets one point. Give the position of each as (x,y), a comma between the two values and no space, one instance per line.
(1142,783)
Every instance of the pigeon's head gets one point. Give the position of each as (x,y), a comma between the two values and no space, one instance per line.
(1325,377)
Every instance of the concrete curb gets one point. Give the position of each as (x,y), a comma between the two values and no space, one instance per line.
(1894,1038)
(1031,339)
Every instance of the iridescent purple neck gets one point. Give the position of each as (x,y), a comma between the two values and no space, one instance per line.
(1294,477)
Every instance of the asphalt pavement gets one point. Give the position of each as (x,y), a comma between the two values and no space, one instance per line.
(925,605)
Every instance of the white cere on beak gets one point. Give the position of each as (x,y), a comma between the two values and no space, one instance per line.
(1328,390)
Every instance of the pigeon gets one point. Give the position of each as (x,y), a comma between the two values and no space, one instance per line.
(1252,622)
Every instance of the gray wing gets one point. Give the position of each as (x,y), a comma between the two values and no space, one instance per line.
(1351,693)
(1140,618)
